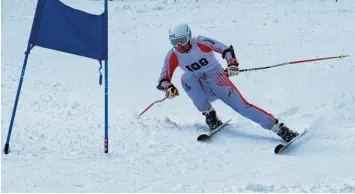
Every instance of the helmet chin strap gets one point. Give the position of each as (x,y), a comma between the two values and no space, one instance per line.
(188,49)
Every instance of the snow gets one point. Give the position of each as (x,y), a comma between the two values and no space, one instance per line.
(57,140)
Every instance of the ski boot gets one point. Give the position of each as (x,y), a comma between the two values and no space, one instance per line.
(283,131)
(211,119)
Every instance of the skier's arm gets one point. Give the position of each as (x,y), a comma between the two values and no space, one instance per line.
(227,53)
(170,65)
(216,46)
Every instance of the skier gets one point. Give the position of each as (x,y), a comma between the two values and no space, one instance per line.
(204,80)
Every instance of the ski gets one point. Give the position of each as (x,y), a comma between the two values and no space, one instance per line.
(205,137)
(282,147)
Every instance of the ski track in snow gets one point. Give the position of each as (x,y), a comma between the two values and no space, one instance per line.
(57,140)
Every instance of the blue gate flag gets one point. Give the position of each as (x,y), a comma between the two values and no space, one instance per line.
(59,27)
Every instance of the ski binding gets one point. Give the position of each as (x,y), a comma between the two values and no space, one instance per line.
(282,147)
(205,137)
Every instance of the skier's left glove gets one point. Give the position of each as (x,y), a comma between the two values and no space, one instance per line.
(232,68)
(171,91)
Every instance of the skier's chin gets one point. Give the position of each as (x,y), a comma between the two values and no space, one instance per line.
(183,49)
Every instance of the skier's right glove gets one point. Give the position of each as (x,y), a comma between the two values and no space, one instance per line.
(232,68)
(171,91)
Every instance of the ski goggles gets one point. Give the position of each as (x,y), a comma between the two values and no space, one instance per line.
(182,40)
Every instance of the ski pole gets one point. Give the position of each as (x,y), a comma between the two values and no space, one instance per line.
(294,62)
(158,101)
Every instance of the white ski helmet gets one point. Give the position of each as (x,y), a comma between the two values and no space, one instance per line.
(179,34)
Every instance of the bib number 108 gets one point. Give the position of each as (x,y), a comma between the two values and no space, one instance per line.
(196,66)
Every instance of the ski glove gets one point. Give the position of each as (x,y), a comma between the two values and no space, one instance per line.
(171,91)
(232,68)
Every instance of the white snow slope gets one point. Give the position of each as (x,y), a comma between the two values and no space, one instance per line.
(57,140)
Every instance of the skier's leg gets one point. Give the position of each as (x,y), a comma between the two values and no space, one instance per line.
(229,94)
(201,96)
(196,90)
